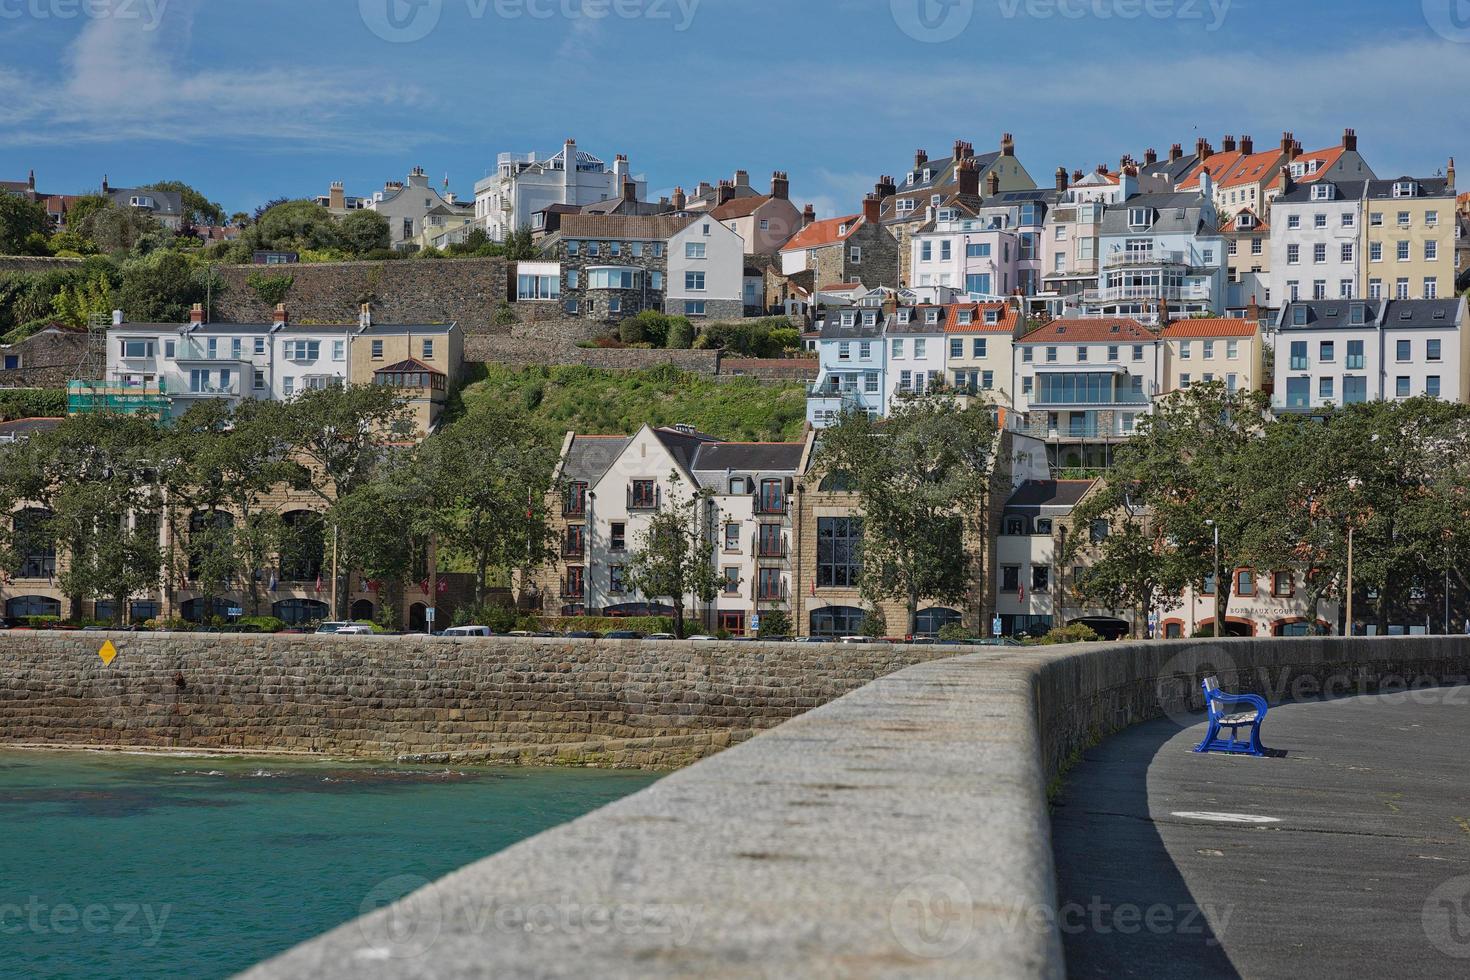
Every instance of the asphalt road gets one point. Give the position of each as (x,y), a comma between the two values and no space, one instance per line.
(1362,870)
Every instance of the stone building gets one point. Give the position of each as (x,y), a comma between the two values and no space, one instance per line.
(851,249)
(47,358)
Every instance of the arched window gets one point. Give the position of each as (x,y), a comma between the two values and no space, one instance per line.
(32,605)
(935,618)
(837,482)
(296,612)
(362,609)
(837,621)
(198,610)
(303,546)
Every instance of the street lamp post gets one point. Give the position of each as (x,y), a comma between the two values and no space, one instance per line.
(1219,627)
(1348,623)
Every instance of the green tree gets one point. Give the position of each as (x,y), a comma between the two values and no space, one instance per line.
(75,305)
(1133,567)
(162,287)
(490,476)
(673,556)
(364,231)
(20,220)
(520,245)
(118,229)
(922,476)
(294,226)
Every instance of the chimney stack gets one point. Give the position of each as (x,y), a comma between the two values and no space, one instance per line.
(1253,311)
(1449,175)
(1176,152)
(921,157)
(885,187)
(1077,176)
(337,197)
(1247,146)
(704,189)
(282,317)
(1102,169)
(196,314)
(365,316)
(992,184)
(1296,149)
(967,176)
(31,179)
(1163,311)
(1201,148)
(1349,139)
(1283,181)
(742,179)
(726,193)
(959,150)
(1007,145)
(870,209)
(1227,144)
(1286,140)
(1061,178)
(678,200)
(630,191)
(105,188)
(808,215)
(780,185)
(1150,156)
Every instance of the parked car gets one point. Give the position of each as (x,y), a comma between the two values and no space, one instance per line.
(352,629)
(468,631)
(583,635)
(623,635)
(772,639)
(661,636)
(855,639)
(333,627)
(702,637)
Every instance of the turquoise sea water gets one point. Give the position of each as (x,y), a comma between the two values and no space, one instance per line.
(142,866)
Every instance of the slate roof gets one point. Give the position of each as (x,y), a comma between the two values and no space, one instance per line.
(749,457)
(1347,190)
(832,328)
(683,446)
(1049,493)
(1166,209)
(22,428)
(659,227)
(413,364)
(588,457)
(1336,314)
(1428,187)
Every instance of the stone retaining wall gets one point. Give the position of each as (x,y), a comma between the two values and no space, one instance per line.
(900,830)
(528,352)
(610,702)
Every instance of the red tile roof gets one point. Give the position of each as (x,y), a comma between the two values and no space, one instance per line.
(1090,330)
(1254,169)
(1328,157)
(825,232)
(1210,327)
(1007,323)
(1218,165)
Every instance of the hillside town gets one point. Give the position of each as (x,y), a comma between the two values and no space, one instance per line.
(1071,316)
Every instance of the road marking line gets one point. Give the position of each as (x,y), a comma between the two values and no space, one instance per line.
(1225,817)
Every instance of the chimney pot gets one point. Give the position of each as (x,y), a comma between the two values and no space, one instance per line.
(742,178)
(1349,139)
(365,316)
(281,315)
(1150,156)
(921,157)
(678,200)
(1228,143)
(1176,152)
(808,215)
(196,313)
(780,185)
(1286,141)
(959,150)
(1077,176)
(870,209)
(1247,146)
(1007,145)
(1201,148)
(992,184)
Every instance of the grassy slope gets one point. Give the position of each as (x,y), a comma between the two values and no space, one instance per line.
(596,402)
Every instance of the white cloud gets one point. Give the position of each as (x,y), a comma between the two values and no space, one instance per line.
(129,80)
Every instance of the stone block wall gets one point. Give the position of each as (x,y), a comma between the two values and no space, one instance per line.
(467,291)
(618,702)
(530,352)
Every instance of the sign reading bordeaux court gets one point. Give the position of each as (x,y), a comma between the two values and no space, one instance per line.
(108,652)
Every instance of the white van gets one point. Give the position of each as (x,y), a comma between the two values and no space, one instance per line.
(468,631)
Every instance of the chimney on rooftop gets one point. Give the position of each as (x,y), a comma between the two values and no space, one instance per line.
(1201,148)
(1283,181)
(117,318)
(1349,139)
(780,185)
(967,175)
(1296,149)
(630,191)
(1449,175)
(1286,140)
(105,188)
(678,201)
(365,316)
(1102,169)
(921,157)
(1176,152)
(870,209)
(196,314)
(992,184)
(742,179)
(959,150)
(282,317)
(726,193)
(337,197)
(1228,143)
(704,189)
(31,179)
(1077,176)
(1150,156)
(1247,146)
(1061,178)
(885,187)
(1007,145)
(808,215)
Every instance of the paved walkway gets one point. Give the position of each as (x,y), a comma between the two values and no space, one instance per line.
(1362,870)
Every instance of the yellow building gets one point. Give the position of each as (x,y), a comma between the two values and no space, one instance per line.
(1212,349)
(424,361)
(978,352)
(1409,232)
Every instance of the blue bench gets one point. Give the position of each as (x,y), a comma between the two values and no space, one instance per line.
(1220,717)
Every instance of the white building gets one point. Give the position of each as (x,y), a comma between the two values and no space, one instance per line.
(616,484)
(1336,352)
(1315,241)
(706,271)
(851,358)
(414,207)
(526,183)
(917,347)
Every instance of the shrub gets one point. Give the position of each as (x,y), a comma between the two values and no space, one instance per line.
(951,632)
(168,623)
(505,314)
(270,289)
(602,624)
(681,334)
(775,623)
(874,624)
(40,622)
(499,617)
(632,330)
(1076,633)
(266,624)
(31,403)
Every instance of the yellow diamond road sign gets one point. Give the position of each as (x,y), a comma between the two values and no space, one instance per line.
(108,652)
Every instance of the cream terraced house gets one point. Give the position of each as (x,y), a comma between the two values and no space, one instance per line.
(1409,237)
(1204,350)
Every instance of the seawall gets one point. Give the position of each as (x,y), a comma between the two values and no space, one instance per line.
(609,702)
(901,830)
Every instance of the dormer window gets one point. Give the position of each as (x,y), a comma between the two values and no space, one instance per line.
(1358,314)
(1245,220)
(1299,316)
(964,317)
(1322,192)
(141,201)
(903,316)
(1138,217)
(992,316)
(869,319)
(1404,188)
(935,200)
(848,319)
(842,229)
(928,176)
(931,316)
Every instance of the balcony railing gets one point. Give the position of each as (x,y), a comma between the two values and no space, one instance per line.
(644,499)
(770,506)
(573,549)
(771,549)
(1093,429)
(1136,257)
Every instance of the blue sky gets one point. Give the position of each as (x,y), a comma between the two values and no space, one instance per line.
(253,99)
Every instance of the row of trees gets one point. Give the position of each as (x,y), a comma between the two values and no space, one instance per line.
(100,487)
(1284,493)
